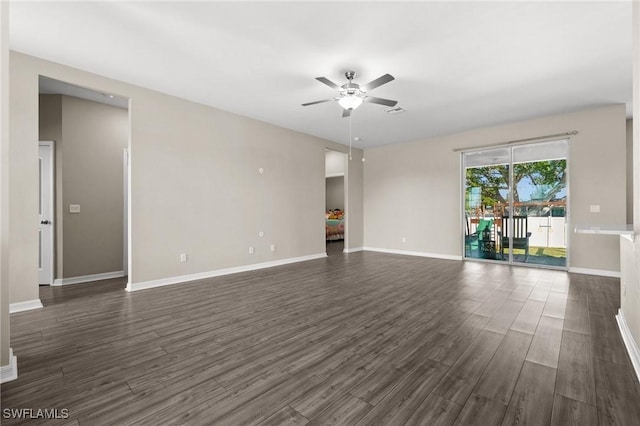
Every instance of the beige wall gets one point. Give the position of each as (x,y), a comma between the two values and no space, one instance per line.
(4,183)
(413,190)
(195,186)
(90,138)
(335,193)
(354,198)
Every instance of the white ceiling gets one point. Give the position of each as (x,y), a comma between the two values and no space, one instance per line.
(458,65)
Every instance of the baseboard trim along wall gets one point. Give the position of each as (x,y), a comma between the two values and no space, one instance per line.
(598,272)
(414,253)
(25,306)
(352,250)
(220,272)
(9,372)
(632,347)
(88,278)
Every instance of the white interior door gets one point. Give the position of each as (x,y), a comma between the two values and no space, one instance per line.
(45,213)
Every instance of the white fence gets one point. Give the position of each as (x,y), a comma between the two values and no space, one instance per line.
(546,231)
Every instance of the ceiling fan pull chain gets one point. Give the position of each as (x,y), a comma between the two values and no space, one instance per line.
(350,138)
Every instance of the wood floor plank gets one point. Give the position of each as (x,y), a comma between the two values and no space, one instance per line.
(532,399)
(569,412)
(399,404)
(545,346)
(528,318)
(576,316)
(481,411)
(287,416)
(556,305)
(454,345)
(346,411)
(500,376)
(504,317)
(616,396)
(606,342)
(435,411)
(462,377)
(320,396)
(491,305)
(575,370)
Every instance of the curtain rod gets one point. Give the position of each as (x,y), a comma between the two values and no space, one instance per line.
(518,141)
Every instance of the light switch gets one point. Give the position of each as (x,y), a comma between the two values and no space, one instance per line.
(74,208)
(594,208)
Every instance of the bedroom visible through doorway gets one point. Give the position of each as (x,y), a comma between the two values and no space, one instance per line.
(335,213)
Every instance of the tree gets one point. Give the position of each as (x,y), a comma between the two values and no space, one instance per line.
(547,177)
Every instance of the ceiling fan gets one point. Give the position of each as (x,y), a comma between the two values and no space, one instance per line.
(351,95)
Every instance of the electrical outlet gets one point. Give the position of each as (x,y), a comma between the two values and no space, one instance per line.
(594,208)
(404,239)
(252,250)
(273,247)
(183,257)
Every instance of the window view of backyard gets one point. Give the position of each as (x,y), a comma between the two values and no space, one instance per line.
(531,223)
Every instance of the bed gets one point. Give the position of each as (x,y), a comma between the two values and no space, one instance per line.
(334,225)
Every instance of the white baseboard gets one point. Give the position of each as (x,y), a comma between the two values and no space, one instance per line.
(9,372)
(414,253)
(25,306)
(632,347)
(219,272)
(598,272)
(352,250)
(88,278)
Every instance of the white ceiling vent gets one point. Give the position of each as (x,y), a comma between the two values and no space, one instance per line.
(395,110)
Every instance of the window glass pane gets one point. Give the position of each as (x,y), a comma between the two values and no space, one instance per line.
(486,178)
(540,202)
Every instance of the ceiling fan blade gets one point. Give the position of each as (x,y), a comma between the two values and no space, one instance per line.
(378,82)
(346,113)
(317,102)
(328,82)
(381,101)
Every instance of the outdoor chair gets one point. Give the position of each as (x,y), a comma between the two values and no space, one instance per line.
(520,235)
(473,241)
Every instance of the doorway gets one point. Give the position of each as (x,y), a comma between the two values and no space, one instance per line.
(89,182)
(335,201)
(516,204)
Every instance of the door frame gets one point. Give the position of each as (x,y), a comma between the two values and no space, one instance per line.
(51,212)
(125,213)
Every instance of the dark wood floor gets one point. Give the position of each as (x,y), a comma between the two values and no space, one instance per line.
(364,338)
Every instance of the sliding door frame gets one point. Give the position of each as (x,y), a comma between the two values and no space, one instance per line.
(511,146)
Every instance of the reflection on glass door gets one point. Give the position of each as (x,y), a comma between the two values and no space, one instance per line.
(486,186)
(527,225)
(540,203)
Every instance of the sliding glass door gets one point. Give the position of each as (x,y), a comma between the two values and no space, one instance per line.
(486,177)
(516,204)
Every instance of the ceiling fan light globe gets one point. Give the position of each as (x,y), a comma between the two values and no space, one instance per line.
(350,101)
